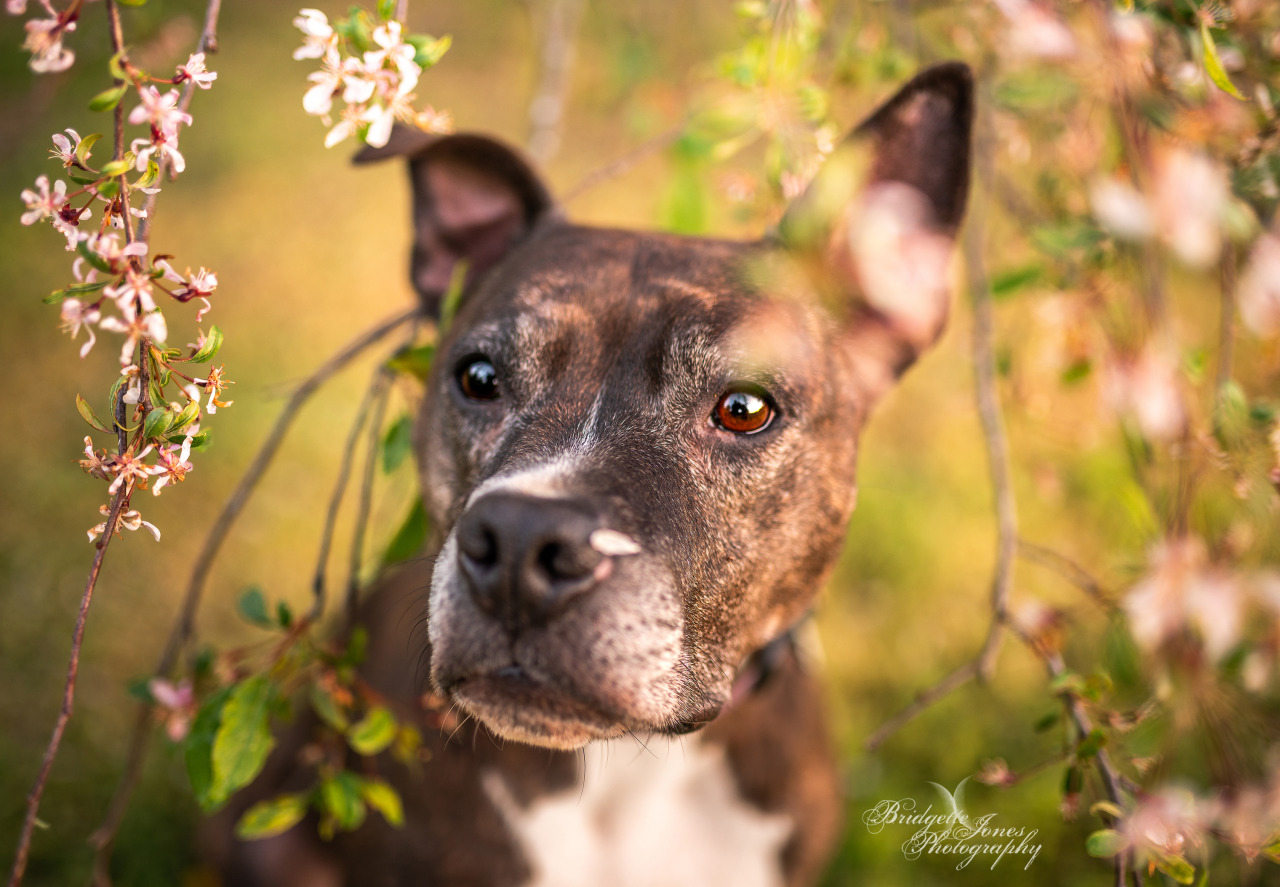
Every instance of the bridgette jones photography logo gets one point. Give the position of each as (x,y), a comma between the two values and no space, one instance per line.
(946,828)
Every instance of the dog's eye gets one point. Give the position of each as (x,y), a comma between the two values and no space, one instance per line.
(743,411)
(478,379)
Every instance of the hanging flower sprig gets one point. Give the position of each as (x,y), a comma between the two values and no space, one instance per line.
(373,68)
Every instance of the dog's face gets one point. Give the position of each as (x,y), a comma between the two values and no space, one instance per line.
(639,450)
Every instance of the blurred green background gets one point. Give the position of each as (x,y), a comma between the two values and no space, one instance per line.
(309,250)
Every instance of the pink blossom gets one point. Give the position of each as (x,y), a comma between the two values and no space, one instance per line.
(395,52)
(161,110)
(214,386)
(129,470)
(15,7)
(172,464)
(317,34)
(1182,591)
(195,71)
(44,42)
(135,327)
(179,703)
(1146,387)
(64,149)
(130,520)
(75,314)
(134,289)
(93,463)
(1259,293)
(1035,30)
(1165,822)
(43,203)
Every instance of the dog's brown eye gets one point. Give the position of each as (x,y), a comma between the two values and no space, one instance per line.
(478,379)
(743,412)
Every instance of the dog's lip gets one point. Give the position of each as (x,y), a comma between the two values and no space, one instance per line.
(512,703)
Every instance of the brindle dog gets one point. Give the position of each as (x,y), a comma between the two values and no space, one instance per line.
(638,453)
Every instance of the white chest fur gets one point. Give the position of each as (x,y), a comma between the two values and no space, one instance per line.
(670,816)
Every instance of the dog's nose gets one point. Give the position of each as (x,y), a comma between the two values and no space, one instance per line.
(524,559)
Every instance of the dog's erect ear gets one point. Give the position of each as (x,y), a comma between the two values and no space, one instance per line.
(473,200)
(881,227)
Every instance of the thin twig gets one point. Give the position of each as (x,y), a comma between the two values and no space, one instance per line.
(339,492)
(118,505)
(924,699)
(1227,323)
(617,167)
(381,383)
(105,835)
(208,43)
(546,110)
(988,402)
(1068,569)
(983,665)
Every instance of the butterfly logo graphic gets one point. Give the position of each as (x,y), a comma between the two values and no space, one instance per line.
(954,802)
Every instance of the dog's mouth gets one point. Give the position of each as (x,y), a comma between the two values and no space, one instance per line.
(515,706)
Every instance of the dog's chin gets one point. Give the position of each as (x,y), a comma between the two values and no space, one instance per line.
(514,707)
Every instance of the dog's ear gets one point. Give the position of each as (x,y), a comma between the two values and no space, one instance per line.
(880,219)
(473,200)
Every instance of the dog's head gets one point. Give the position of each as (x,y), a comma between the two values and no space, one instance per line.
(639,449)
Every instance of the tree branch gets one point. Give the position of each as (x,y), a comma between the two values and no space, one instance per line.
(546,110)
(208,43)
(339,492)
(104,837)
(118,505)
(366,495)
(617,167)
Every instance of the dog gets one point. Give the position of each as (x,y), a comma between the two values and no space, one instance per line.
(637,453)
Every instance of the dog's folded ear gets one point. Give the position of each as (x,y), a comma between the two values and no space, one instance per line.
(881,216)
(474,198)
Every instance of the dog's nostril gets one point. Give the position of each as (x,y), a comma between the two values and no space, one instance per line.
(566,561)
(480,546)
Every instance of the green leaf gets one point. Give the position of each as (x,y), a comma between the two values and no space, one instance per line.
(1006,283)
(1077,371)
(209,349)
(1067,682)
(108,98)
(414,361)
(253,607)
(85,146)
(1047,722)
(453,295)
(116,167)
(386,9)
(266,819)
(244,738)
(356,646)
(1110,809)
(87,413)
(55,296)
(374,732)
(94,260)
(115,65)
(188,415)
(340,798)
(1213,66)
(133,2)
(1175,867)
(284,616)
(1091,744)
(383,798)
(140,689)
(80,289)
(1104,844)
(157,423)
(198,749)
(397,443)
(150,177)
(327,708)
(409,538)
(427,49)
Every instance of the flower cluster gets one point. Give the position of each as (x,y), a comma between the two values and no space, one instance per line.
(117,284)
(373,69)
